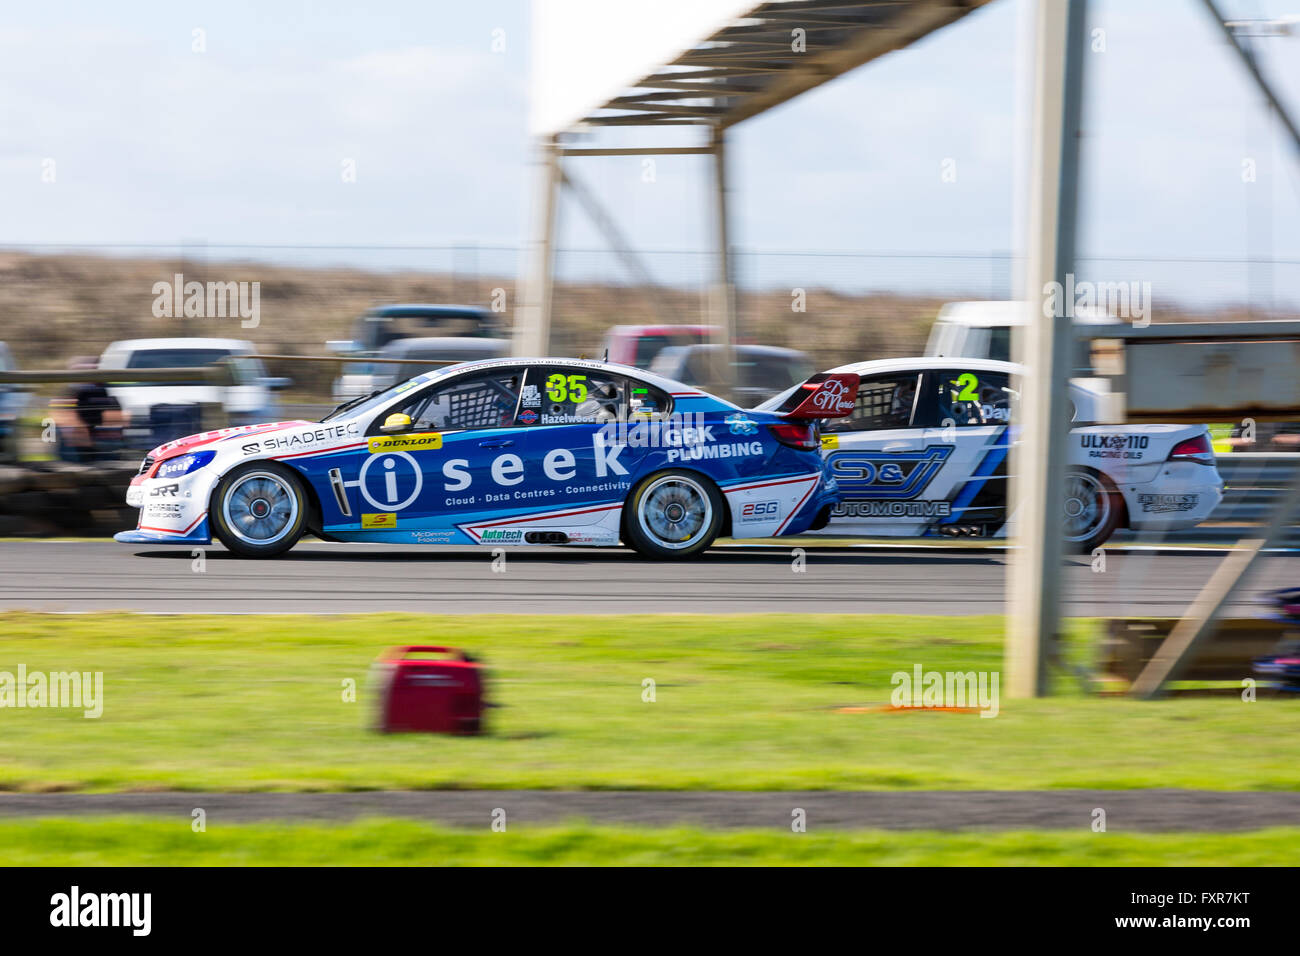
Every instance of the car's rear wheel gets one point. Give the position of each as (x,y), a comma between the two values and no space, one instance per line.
(1092,509)
(672,515)
(259,510)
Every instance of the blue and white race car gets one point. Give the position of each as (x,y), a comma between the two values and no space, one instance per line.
(505,452)
(924,453)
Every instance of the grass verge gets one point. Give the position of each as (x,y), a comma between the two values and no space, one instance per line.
(746,702)
(379,842)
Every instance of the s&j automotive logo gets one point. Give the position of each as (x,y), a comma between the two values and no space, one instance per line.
(896,476)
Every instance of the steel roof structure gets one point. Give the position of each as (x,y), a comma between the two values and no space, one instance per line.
(751,59)
(761,59)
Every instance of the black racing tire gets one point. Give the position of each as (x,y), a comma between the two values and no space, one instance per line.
(253,487)
(672,515)
(1092,510)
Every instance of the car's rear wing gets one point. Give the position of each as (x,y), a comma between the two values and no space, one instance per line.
(824,395)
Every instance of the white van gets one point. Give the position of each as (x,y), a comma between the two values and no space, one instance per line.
(249,401)
(983,330)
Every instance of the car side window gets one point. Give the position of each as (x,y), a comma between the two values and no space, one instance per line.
(973,397)
(484,400)
(884,401)
(645,399)
(570,395)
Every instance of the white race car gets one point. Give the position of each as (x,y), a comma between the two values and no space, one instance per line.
(924,453)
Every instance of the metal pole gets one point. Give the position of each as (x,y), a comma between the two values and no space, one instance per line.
(1252,68)
(1044,344)
(723,298)
(619,243)
(1178,650)
(533,316)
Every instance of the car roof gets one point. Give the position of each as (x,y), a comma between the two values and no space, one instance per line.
(661,329)
(138,345)
(982,314)
(925,362)
(1008,312)
(415,309)
(451,343)
(667,384)
(772,350)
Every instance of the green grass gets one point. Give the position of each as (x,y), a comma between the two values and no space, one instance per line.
(381,842)
(743,702)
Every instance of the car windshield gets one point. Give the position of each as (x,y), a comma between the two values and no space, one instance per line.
(1000,343)
(775,402)
(765,372)
(647,347)
(176,358)
(377,398)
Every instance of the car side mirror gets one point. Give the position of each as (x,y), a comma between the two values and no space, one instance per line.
(396,422)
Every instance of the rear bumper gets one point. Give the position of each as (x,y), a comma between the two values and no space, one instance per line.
(822,499)
(1182,496)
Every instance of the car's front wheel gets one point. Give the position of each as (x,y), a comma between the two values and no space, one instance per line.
(673,514)
(1092,509)
(259,510)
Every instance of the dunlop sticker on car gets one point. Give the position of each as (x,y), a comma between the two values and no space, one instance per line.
(385,519)
(830,441)
(417,442)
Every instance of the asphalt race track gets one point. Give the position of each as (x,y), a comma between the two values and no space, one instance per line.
(343,578)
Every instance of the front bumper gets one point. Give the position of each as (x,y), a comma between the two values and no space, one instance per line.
(200,534)
(172,510)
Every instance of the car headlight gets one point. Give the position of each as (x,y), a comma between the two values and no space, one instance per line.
(184,464)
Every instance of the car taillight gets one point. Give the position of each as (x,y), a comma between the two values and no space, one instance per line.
(1194,449)
(802,436)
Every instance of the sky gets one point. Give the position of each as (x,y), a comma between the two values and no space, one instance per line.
(123,126)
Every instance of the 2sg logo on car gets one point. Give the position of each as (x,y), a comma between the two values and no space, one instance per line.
(760,510)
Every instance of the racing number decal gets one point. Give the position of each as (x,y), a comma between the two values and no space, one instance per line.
(560,388)
(967,383)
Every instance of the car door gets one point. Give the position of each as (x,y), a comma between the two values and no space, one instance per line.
(967,411)
(572,432)
(439,472)
(881,460)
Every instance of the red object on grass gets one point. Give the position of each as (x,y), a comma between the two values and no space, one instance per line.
(423,695)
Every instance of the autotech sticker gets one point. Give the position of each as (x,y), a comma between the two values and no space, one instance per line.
(417,442)
(385,519)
